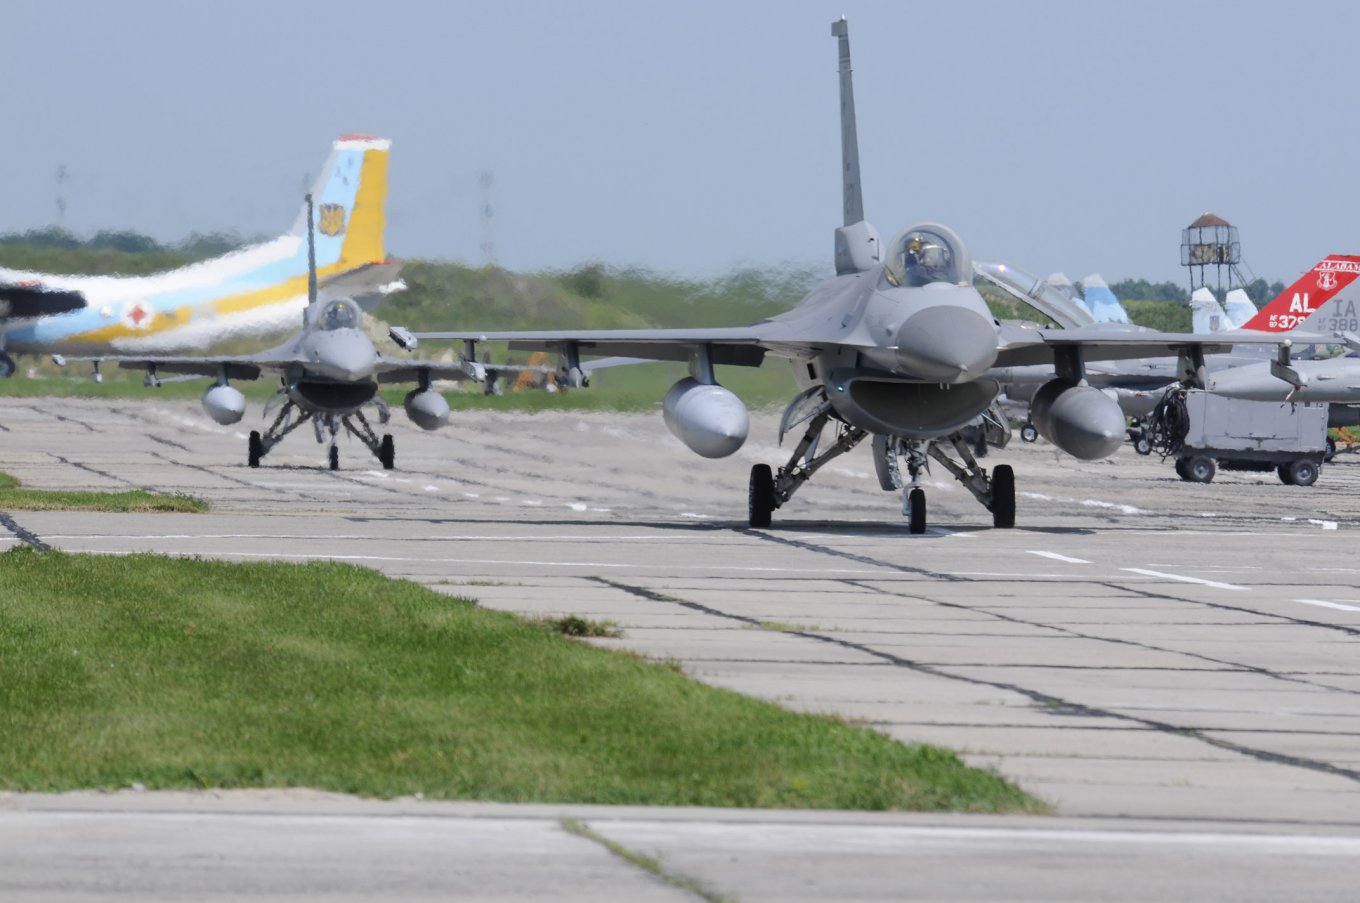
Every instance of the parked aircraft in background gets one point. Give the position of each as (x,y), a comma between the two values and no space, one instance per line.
(898,347)
(329,371)
(255,291)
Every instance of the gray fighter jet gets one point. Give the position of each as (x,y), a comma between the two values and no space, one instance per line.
(897,346)
(329,372)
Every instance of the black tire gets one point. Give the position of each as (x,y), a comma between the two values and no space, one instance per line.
(387,452)
(1331,451)
(916,511)
(335,457)
(1303,472)
(1180,469)
(1028,433)
(1200,469)
(1285,477)
(1142,445)
(254,449)
(1003,496)
(760,496)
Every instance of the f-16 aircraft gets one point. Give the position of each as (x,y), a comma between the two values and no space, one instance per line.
(255,291)
(329,371)
(897,346)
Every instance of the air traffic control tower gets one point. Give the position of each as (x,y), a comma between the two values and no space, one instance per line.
(1209,246)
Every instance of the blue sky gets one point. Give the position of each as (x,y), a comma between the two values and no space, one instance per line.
(695,137)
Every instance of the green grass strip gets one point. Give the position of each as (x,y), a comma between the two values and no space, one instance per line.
(13,497)
(188,673)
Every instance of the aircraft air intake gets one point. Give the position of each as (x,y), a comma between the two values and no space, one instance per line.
(946,344)
(1082,421)
(709,419)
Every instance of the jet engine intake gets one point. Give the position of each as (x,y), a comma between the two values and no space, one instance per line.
(708,418)
(1082,421)
(427,409)
(224,404)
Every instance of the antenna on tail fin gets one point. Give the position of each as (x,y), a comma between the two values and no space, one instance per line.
(311,254)
(857,242)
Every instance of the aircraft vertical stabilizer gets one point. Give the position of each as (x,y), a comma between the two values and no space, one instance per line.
(350,196)
(1104,305)
(1326,298)
(857,243)
(1206,314)
(1240,310)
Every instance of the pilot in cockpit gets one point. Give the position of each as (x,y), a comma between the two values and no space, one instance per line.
(338,315)
(924,261)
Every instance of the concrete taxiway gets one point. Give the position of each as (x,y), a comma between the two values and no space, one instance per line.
(1171,665)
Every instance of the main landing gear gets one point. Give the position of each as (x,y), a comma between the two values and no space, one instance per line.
(327,428)
(770,490)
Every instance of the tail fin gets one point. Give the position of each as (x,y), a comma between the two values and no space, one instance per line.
(351,197)
(1104,305)
(858,247)
(1240,310)
(1206,314)
(1324,297)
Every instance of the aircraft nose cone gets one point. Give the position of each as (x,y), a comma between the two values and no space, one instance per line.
(946,344)
(344,355)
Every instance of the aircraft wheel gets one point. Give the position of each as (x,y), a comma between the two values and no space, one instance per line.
(387,452)
(1302,472)
(254,449)
(916,511)
(1142,445)
(1200,469)
(1003,496)
(760,496)
(335,458)
(1028,433)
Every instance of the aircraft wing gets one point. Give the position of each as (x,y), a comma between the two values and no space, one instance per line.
(742,346)
(1107,342)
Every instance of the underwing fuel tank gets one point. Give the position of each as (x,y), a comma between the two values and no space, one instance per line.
(427,409)
(1082,421)
(708,418)
(224,404)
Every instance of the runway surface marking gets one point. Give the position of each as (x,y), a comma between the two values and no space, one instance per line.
(1183,579)
(1056,557)
(1323,603)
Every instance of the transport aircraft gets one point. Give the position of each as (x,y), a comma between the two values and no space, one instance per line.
(896,346)
(329,372)
(255,291)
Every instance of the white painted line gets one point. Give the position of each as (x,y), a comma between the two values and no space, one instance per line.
(1214,583)
(1323,603)
(1056,557)
(1324,524)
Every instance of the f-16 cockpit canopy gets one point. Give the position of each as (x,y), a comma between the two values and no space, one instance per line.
(341,314)
(928,253)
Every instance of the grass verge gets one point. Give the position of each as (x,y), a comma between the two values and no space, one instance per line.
(13,497)
(186,673)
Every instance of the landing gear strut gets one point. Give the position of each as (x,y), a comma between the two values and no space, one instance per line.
(769,491)
(327,427)
(996,492)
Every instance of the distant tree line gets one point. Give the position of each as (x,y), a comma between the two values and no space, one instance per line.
(1258,290)
(197,245)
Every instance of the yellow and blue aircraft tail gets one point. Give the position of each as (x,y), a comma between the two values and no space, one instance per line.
(255,291)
